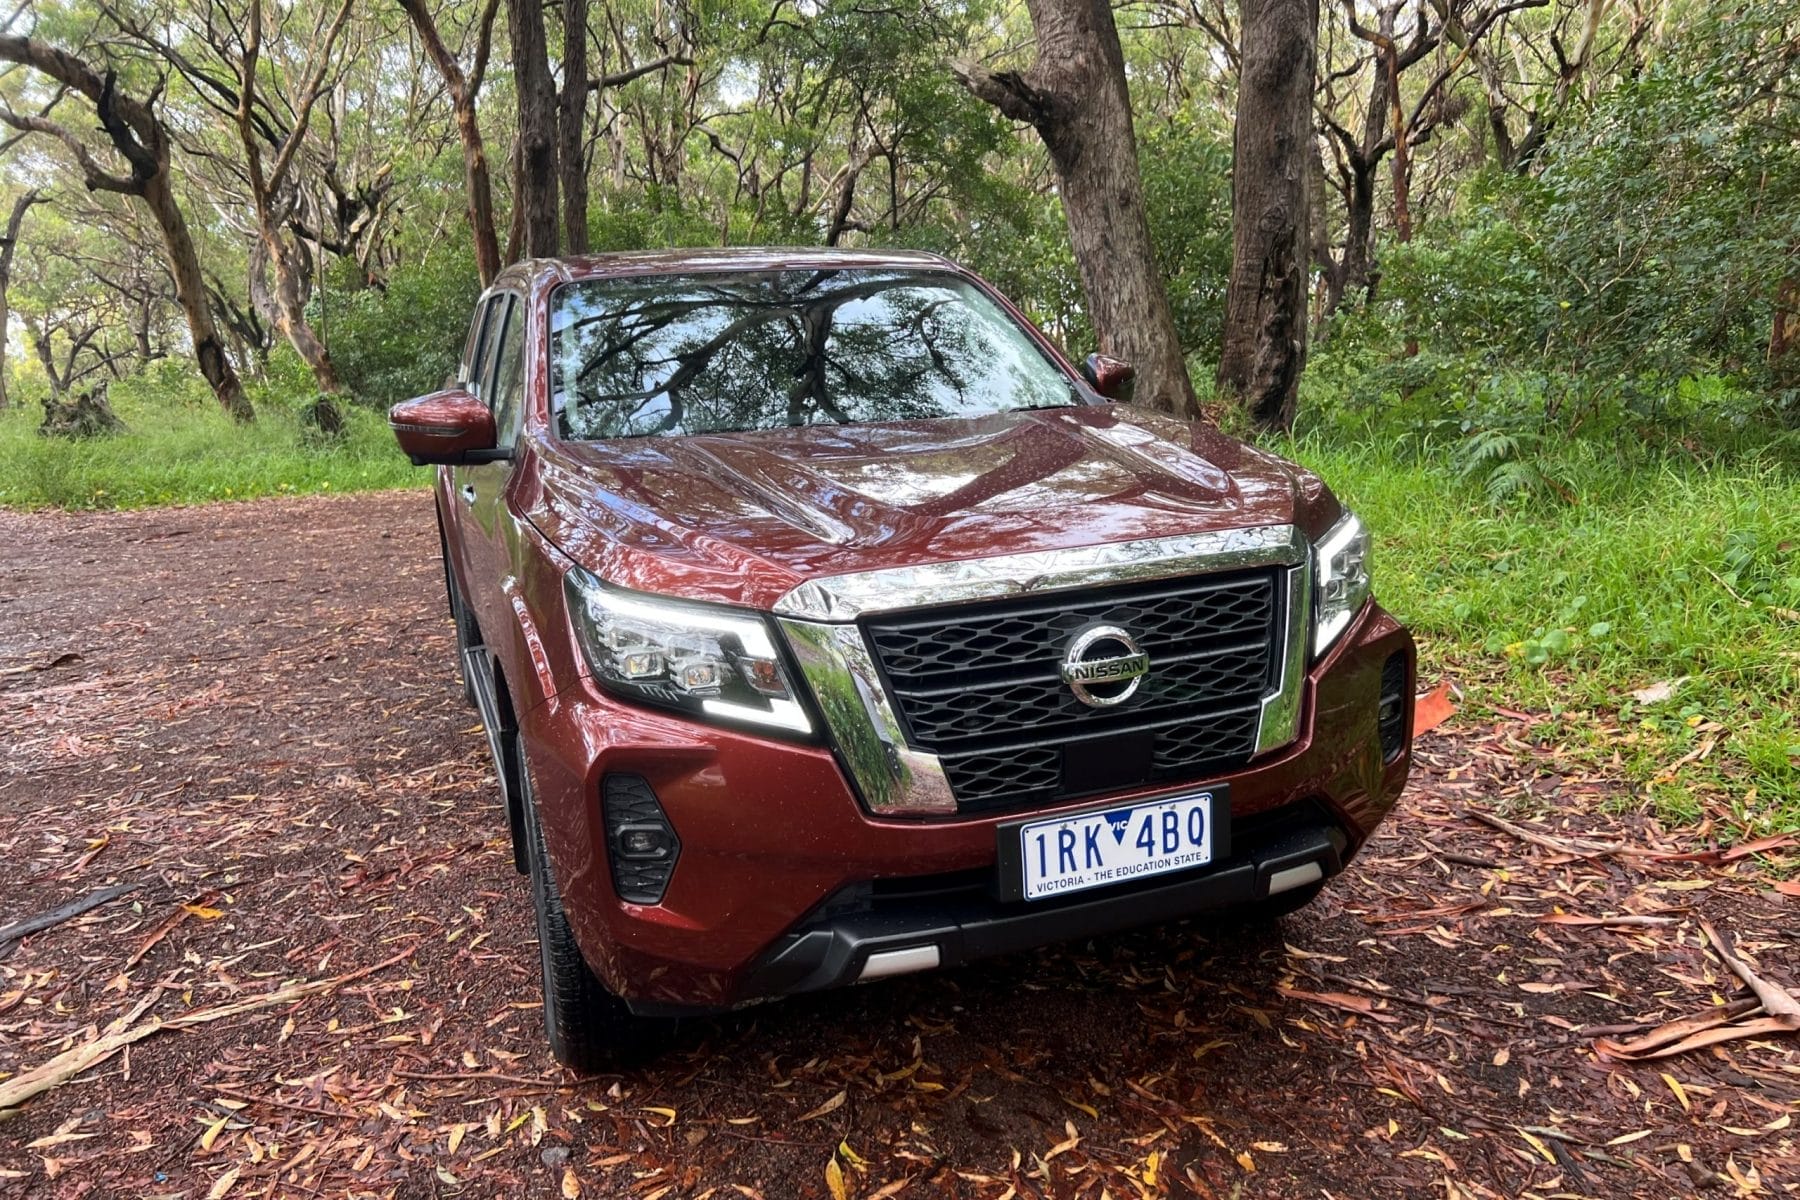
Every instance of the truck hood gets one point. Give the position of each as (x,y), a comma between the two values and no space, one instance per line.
(743,518)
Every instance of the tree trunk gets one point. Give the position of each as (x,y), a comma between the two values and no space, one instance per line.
(11,243)
(846,196)
(1075,96)
(571,128)
(478,185)
(1265,303)
(537,128)
(284,305)
(190,294)
(1784,330)
(1356,277)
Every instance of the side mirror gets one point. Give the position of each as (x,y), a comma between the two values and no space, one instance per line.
(448,427)
(1109,376)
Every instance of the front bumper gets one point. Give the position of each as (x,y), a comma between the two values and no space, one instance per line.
(773,839)
(961,921)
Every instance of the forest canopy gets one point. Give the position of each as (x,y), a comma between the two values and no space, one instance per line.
(1519,216)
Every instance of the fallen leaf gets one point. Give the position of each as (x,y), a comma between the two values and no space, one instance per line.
(571,1186)
(1066,1145)
(212,1132)
(1680,1093)
(834,1178)
(1432,709)
(1539,1146)
(223,1184)
(831,1105)
(51,1140)
(1360,1005)
(1656,693)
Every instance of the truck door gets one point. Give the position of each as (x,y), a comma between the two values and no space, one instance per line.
(480,488)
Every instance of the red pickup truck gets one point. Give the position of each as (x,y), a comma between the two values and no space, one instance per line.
(828,624)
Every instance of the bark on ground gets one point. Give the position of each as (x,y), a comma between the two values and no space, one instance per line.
(262,728)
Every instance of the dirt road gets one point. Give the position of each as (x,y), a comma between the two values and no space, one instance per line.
(249,712)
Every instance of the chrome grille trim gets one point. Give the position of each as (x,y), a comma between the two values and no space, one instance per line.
(892,589)
(1280,718)
(833,652)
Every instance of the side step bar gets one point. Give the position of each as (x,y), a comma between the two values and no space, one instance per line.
(503,745)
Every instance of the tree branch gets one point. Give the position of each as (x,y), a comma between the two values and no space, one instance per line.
(620,78)
(96,177)
(1007,91)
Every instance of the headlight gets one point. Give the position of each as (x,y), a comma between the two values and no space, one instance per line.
(1340,579)
(690,657)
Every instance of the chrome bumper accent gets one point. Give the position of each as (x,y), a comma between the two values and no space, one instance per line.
(847,597)
(1280,719)
(894,779)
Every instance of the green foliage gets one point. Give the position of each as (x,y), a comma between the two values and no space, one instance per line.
(404,340)
(180,448)
(1636,272)
(1666,571)
(1186,166)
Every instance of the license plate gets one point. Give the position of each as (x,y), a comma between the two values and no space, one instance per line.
(1059,855)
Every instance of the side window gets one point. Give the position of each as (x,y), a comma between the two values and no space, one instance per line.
(509,376)
(481,367)
(467,369)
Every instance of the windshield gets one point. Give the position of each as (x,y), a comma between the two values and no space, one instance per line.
(719,352)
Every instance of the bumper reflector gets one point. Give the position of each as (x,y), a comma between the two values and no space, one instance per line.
(1292,877)
(883,963)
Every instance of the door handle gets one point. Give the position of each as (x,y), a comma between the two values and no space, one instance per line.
(468,493)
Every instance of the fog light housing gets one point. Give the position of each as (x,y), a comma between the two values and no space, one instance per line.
(1390,718)
(641,846)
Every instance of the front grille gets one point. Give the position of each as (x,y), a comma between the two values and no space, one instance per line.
(979,686)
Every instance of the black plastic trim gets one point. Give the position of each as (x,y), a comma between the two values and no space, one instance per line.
(830,951)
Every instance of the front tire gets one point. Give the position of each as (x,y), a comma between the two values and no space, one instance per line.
(589,1028)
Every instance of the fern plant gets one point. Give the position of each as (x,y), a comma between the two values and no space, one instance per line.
(1510,463)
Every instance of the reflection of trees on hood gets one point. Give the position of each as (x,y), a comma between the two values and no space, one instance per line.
(753,351)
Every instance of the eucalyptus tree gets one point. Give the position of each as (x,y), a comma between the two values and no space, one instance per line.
(1074,94)
(1370,109)
(76,325)
(9,244)
(464,88)
(135,159)
(260,78)
(1264,344)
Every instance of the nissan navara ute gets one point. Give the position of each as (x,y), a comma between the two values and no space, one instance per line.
(828,624)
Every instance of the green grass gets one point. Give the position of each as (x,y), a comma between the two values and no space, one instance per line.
(180,448)
(1659,572)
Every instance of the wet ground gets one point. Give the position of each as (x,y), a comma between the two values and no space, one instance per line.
(324,980)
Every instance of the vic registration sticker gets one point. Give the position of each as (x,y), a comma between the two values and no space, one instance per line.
(1093,849)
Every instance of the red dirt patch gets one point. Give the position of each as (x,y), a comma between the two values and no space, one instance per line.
(263,731)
